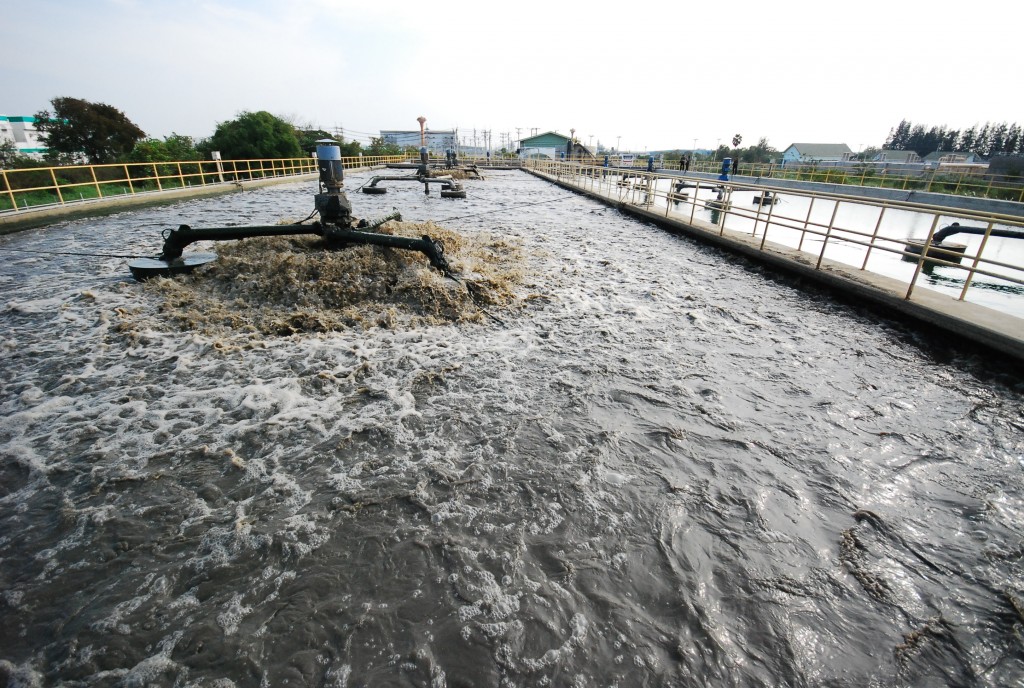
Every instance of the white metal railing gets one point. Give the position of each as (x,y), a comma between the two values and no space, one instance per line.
(891,238)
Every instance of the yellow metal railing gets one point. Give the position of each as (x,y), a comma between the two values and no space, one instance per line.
(28,188)
(865,228)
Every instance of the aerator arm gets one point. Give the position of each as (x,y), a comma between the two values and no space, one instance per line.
(175,240)
(433,250)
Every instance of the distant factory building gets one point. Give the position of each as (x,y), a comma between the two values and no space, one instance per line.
(550,144)
(22,132)
(438,141)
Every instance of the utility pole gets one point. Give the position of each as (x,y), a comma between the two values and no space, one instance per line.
(517,137)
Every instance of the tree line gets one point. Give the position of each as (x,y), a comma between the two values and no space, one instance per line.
(986,140)
(79,131)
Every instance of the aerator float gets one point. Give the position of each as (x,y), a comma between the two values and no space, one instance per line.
(449,187)
(336,225)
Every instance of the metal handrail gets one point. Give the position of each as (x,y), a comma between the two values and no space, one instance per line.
(610,183)
(38,187)
(943,178)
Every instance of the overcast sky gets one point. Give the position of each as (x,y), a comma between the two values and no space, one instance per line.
(650,75)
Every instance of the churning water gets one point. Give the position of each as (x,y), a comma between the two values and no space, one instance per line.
(659,467)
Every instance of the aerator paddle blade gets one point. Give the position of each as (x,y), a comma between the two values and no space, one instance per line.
(144,268)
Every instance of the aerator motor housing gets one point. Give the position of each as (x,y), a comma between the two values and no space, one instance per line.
(336,225)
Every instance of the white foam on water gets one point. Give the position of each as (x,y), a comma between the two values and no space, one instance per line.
(232,615)
(539,440)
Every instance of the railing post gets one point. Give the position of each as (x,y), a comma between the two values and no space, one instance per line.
(156,176)
(828,233)
(9,190)
(181,176)
(128,178)
(924,253)
(728,206)
(977,259)
(807,221)
(96,183)
(767,224)
(874,236)
(56,186)
(760,207)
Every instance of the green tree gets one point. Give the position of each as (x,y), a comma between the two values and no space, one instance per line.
(255,135)
(100,132)
(308,137)
(8,153)
(378,146)
(762,152)
(869,153)
(898,137)
(350,149)
(173,148)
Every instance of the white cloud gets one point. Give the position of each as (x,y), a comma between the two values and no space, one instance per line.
(657,74)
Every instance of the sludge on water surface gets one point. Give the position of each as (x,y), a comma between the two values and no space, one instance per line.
(290,285)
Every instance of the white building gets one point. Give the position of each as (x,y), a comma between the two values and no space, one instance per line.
(438,141)
(21,131)
(816,152)
(901,156)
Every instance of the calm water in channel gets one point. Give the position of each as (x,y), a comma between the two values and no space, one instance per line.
(669,468)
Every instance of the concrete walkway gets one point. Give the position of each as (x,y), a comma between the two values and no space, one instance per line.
(979,324)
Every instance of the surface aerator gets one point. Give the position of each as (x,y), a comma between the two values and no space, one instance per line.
(336,226)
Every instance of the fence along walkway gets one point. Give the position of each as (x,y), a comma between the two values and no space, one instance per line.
(41,187)
(865,239)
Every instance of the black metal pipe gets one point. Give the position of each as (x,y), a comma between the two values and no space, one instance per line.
(446,180)
(176,240)
(433,250)
(956,228)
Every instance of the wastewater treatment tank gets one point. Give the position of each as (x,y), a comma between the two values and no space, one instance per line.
(656,464)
